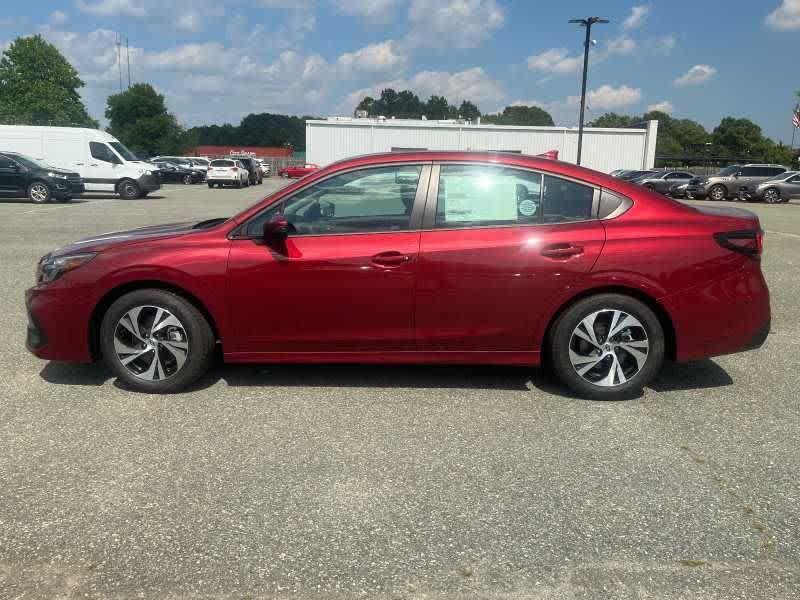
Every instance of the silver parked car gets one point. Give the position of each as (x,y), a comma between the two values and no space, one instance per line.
(731,181)
(782,188)
(664,181)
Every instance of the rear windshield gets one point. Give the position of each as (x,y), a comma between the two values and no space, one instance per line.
(222,163)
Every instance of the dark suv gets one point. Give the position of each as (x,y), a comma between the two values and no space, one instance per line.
(730,181)
(253,169)
(22,176)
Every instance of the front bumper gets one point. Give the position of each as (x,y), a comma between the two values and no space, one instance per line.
(149,183)
(65,188)
(698,191)
(58,324)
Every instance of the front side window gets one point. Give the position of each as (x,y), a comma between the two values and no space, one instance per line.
(102,152)
(364,201)
(123,151)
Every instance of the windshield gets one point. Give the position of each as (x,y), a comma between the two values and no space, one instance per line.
(200,161)
(728,171)
(123,151)
(783,176)
(31,163)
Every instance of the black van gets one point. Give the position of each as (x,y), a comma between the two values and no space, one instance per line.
(22,176)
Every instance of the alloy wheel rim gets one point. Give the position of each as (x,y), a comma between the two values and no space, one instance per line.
(38,192)
(771,196)
(717,193)
(151,343)
(609,347)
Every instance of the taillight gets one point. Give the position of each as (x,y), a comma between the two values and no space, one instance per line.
(235,169)
(747,241)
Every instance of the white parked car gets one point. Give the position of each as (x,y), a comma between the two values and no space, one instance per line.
(264,166)
(227,171)
(102,161)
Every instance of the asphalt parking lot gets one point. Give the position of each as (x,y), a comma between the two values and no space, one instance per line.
(391,482)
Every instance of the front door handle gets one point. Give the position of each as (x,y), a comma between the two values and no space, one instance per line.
(391,259)
(561,251)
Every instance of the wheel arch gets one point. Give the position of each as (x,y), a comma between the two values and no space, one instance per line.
(117,292)
(670,341)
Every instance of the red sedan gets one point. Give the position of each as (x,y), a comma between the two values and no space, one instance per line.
(296,171)
(430,257)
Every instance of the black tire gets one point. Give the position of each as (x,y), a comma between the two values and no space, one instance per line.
(210,185)
(199,337)
(238,184)
(717,193)
(561,336)
(39,192)
(650,187)
(188,180)
(128,189)
(772,196)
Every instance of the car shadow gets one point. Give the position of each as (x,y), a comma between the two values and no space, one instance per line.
(51,203)
(116,197)
(703,374)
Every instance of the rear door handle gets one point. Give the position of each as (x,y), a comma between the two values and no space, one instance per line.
(391,259)
(561,251)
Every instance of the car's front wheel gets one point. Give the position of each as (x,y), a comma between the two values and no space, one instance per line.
(156,341)
(39,192)
(607,347)
(772,196)
(718,193)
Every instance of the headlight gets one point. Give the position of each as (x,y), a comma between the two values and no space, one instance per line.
(56,175)
(51,268)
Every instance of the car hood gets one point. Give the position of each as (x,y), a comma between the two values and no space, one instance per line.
(104,241)
(62,172)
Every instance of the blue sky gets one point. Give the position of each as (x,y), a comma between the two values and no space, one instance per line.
(217,60)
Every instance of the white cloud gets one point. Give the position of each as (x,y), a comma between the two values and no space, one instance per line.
(453,23)
(378,11)
(471,84)
(374,58)
(786,17)
(555,60)
(210,56)
(184,15)
(607,97)
(662,45)
(697,75)
(637,17)
(621,45)
(58,17)
(113,8)
(664,106)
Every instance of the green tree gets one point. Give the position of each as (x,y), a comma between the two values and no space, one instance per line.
(613,120)
(38,86)
(139,118)
(531,116)
(437,108)
(469,111)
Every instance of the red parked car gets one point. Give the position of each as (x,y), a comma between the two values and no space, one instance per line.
(296,171)
(420,257)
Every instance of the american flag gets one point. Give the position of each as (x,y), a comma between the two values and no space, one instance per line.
(796,118)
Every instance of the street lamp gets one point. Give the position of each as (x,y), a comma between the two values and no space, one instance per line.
(587,23)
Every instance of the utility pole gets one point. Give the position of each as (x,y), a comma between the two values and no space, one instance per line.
(128,55)
(119,59)
(587,23)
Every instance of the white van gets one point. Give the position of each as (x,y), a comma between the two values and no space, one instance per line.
(103,162)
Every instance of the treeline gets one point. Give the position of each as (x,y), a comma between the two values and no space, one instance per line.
(405,104)
(263,129)
(737,139)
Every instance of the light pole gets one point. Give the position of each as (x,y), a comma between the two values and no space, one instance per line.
(587,23)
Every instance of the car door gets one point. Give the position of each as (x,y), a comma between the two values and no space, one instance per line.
(344,280)
(747,177)
(498,245)
(102,172)
(12,177)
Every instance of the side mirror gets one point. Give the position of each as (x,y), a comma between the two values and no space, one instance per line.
(276,230)
(737,174)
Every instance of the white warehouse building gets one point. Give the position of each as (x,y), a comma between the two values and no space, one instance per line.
(604,149)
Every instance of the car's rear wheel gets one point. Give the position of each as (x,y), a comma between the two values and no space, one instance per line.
(156,341)
(39,192)
(607,347)
(772,195)
(650,187)
(187,179)
(717,193)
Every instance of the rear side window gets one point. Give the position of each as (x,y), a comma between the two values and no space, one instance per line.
(480,196)
(566,201)
(102,152)
(751,172)
(222,163)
